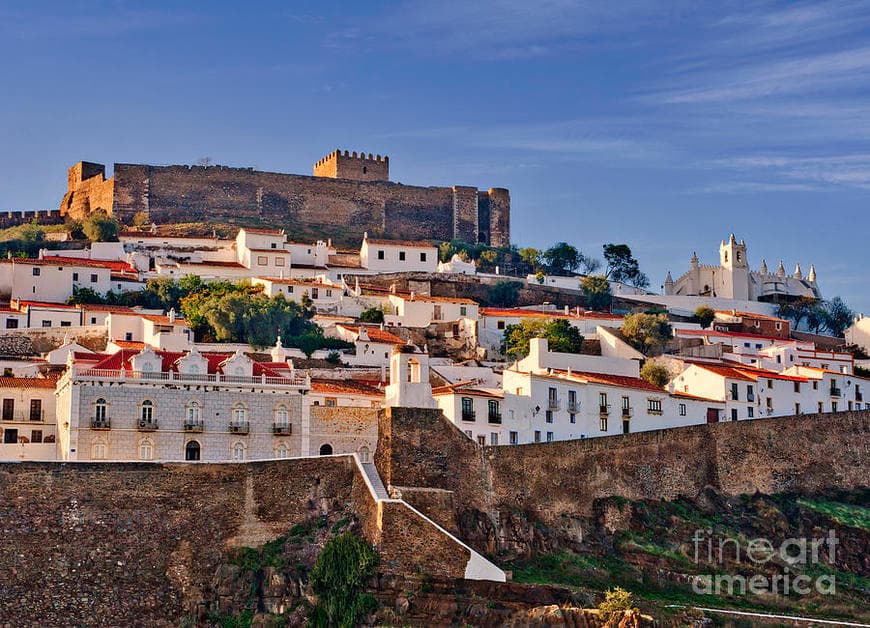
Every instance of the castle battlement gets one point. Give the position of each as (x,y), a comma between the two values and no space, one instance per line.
(352,165)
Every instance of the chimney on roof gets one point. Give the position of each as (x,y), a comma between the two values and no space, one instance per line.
(172,315)
(412,295)
(567,311)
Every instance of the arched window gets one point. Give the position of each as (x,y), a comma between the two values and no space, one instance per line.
(281,450)
(147,414)
(146,449)
(282,418)
(100,409)
(194,411)
(364,454)
(238,451)
(192,451)
(239,414)
(99,450)
(326,449)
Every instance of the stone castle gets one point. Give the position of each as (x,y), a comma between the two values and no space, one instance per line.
(348,191)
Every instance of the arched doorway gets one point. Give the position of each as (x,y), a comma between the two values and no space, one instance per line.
(192,451)
(326,449)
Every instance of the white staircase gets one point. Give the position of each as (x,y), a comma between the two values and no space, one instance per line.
(374,477)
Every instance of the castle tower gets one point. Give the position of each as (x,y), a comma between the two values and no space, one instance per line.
(797,272)
(780,271)
(669,284)
(735,267)
(353,166)
(812,275)
(763,267)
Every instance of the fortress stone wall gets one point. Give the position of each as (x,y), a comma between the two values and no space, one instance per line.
(558,483)
(349,192)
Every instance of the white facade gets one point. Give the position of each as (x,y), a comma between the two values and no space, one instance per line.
(732,278)
(394,256)
(51,281)
(373,345)
(324,294)
(27,419)
(415,310)
(859,332)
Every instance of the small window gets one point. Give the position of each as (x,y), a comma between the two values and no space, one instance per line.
(281,450)
(654,406)
(603,423)
(65,324)
(682,409)
(733,414)
(46,323)
(751,412)
(146,449)
(238,451)
(99,450)
(549,416)
(550,437)
(128,336)
(537,436)
(262,260)
(364,455)
(279,261)
(274,245)
(94,278)
(11,323)
(514,438)
(499,324)
(401,256)
(493,438)
(289,289)
(380,254)
(75,276)
(35,436)
(147,411)
(331,402)
(93,320)
(422,257)
(463,310)
(36,271)
(192,451)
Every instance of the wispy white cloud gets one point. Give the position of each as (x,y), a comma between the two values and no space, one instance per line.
(852,170)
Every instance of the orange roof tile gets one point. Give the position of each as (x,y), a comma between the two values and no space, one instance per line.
(26,382)
(375,333)
(412,243)
(347,386)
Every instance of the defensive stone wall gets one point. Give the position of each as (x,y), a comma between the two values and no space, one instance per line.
(350,195)
(555,482)
(141,543)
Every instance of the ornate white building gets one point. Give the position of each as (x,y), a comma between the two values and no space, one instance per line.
(733,279)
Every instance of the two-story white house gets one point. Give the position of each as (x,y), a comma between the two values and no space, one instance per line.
(397,256)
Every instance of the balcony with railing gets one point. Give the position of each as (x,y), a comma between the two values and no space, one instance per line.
(120,375)
(604,410)
(101,423)
(494,416)
(468,415)
(147,425)
(553,403)
(24,416)
(194,425)
(240,427)
(282,428)
(573,407)
(859,396)
(627,412)
(836,392)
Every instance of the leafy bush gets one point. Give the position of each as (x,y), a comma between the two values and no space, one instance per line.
(616,600)
(339,579)
(505,293)
(100,227)
(655,374)
(704,316)
(372,315)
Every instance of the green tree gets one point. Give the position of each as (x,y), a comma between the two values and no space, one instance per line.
(616,600)
(704,316)
(339,579)
(837,316)
(622,266)
(100,227)
(800,310)
(596,290)
(31,232)
(85,295)
(561,258)
(140,219)
(656,374)
(560,334)
(372,315)
(646,332)
(489,256)
(505,293)
(530,257)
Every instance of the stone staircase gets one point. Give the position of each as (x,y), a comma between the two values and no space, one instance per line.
(374,477)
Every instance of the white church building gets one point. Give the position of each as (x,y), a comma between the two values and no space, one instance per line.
(733,279)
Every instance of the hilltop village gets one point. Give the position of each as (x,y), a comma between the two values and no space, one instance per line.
(393,367)
(94,372)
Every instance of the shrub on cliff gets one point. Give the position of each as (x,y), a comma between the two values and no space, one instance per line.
(339,579)
(100,227)
(505,293)
(596,289)
(616,600)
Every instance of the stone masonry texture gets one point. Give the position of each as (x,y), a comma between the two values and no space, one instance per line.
(361,202)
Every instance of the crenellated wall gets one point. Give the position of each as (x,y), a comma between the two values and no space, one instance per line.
(350,193)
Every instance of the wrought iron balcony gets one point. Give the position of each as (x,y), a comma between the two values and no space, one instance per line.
(240,427)
(468,415)
(573,407)
(103,423)
(627,412)
(282,428)
(836,392)
(145,425)
(553,403)
(194,425)
(494,417)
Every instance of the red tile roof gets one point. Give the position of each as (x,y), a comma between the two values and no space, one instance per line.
(608,379)
(375,333)
(106,308)
(685,395)
(27,382)
(752,315)
(59,306)
(163,320)
(426,298)
(113,265)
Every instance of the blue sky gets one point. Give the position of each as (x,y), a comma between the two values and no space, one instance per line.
(663,125)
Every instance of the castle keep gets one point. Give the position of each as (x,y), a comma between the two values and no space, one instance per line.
(348,191)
